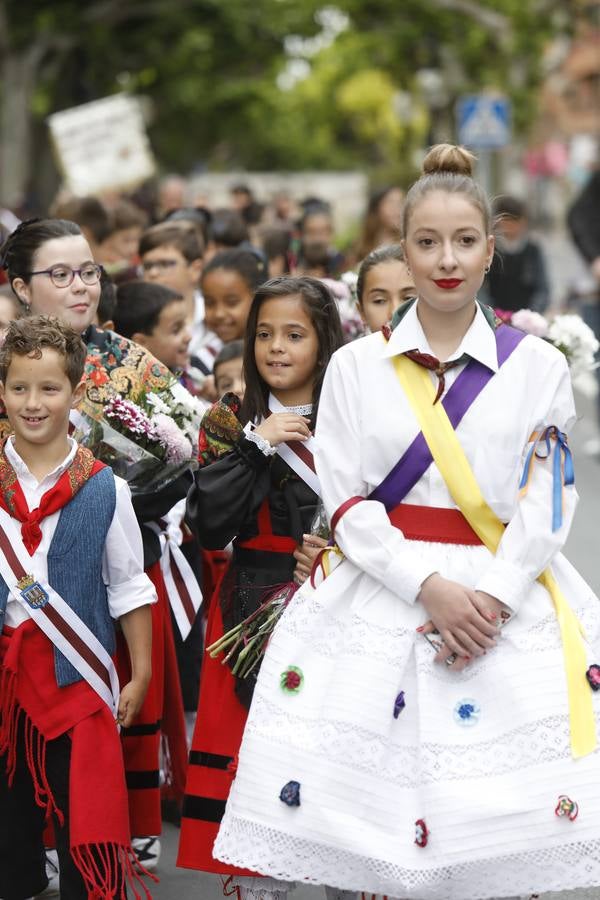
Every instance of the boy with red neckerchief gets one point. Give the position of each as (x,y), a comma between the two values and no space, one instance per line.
(67,520)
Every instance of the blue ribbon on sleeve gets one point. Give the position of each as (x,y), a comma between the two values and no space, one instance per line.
(563,471)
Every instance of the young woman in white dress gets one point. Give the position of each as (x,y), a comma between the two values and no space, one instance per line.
(465,765)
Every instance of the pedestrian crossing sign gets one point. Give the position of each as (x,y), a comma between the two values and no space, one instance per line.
(484,121)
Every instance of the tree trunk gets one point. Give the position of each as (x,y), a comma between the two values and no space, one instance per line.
(17,77)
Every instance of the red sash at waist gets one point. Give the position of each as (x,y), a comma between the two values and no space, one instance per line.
(265,539)
(273,543)
(431,523)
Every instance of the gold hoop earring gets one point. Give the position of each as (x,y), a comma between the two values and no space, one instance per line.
(487,269)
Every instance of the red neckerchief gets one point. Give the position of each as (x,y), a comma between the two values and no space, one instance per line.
(12,498)
(428,361)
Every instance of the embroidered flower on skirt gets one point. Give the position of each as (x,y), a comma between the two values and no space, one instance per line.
(421,833)
(566,807)
(290,793)
(399,704)
(467,712)
(593,677)
(292,679)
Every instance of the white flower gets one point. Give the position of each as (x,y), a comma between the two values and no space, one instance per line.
(576,340)
(350,278)
(157,403)
(572,331)
(180,394)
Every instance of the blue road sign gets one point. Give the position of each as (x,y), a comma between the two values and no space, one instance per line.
(484,121)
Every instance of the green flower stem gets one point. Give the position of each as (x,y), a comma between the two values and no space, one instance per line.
(224,641)
(249,638)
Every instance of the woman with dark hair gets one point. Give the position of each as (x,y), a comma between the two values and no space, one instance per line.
(255,487)
(382,220)
(51,270)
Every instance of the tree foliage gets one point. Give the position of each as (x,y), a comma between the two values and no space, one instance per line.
(215,73)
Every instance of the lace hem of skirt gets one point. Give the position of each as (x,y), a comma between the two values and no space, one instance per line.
(249,844)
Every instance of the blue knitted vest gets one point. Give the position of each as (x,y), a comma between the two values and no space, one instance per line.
(75,564)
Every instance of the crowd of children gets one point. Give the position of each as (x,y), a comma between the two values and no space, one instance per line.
(371,528)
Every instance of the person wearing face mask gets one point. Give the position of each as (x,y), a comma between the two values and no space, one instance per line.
(51,270)
(517,278)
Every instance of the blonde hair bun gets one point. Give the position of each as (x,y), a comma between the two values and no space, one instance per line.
(450,159)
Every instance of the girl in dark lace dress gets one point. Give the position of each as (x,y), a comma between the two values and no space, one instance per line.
(255,488)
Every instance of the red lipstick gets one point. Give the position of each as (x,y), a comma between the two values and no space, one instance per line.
(448,284)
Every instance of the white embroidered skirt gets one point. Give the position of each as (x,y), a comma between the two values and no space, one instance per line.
(470,764)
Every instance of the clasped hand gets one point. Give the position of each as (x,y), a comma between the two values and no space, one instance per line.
(305,555)
(466,620)
(280,428)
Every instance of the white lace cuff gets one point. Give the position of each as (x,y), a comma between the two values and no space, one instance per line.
(262,443)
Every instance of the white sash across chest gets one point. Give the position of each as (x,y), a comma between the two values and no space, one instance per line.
(183,590)
(299,455)
(61,624)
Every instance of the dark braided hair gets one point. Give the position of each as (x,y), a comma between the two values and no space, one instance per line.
(19,249)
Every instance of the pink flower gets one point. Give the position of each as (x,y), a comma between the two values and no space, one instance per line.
(130,416)
(503,314)
(178,447)
(531,322)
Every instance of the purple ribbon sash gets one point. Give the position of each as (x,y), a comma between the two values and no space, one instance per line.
(467,387)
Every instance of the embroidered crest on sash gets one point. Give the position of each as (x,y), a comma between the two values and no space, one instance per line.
(32,592)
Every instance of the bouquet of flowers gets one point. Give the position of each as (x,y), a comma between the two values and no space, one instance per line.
(245,644)
(568,333)
(149,440)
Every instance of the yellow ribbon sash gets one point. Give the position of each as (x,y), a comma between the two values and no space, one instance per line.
(454,467)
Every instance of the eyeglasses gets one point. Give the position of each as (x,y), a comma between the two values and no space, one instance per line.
(62,276)
(160,264)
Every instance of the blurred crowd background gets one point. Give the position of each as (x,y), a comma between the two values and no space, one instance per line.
(295,128)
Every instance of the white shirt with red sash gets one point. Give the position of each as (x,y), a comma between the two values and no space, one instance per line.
(366,424)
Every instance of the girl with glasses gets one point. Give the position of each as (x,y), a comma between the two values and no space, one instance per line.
(63,276)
